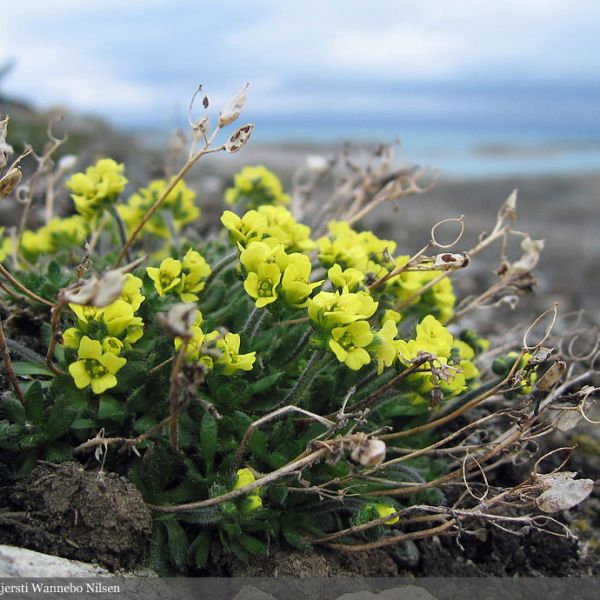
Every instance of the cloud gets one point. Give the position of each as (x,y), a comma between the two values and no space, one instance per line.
(130,60)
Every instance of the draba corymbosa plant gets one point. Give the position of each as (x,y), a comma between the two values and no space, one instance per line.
(284,375)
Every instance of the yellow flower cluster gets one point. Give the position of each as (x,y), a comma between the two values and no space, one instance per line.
(252,501)
(271,273)
(185,278)
(179,203)
(348,254)
(58,234)
(453,356)
(342,318)
(255,186)
(268,222)
(350,249)
(97,188)
(440,298)
(101,334)
(216,350)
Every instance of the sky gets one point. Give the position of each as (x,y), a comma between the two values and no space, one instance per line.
(137,62)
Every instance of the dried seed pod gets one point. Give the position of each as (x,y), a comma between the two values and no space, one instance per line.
(234,108)
(551,376)
(180,319)
(562,491)
(450,260)
(567,419)
(10,181)
(98,292)
(239,138)
(369,453)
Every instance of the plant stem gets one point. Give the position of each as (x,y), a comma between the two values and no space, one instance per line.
(9,367)
(221,265)
(303,383)
(174,396)
(253,322)
(120,228)
(57,312)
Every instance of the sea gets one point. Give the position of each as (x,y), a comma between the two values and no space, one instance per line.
(465,129)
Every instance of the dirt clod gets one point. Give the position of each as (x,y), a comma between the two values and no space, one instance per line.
(68,511)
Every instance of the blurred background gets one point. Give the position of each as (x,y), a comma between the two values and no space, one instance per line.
(497,95)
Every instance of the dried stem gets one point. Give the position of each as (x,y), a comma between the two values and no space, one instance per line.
(160,201)
(9,366)
(7,275)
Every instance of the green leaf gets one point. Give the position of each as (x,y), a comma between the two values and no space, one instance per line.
(57,453)
(293,538)
(253,545)
(13,409)
(83,424)
(63,414)
(34,406)
(203,516)
(264,383)
(54,273)
(278,494)
(109,408)
(131,376)
(208,440)
(200,549)
(178,544)
(144,424)
(26,367)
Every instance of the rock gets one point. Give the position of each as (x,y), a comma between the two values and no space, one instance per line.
(405,554)
(19,562)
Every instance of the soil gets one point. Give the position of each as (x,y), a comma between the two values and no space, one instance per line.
(84,515)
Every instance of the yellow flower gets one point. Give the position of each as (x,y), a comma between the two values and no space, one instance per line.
(391,315)
(363,251)
(230,360)
(383,347)
(383,510)
(71,337)
(262,284)
(131,291)
(432,333)
(334,309)
(98,187)
(348,280)
(194,346)
(166,277)
(94,367)
(282,226)
(256,186)
(180,202)
(348,344)
(243,478)
(295,286)
(251,503)
(112,344)
(252,227)
(195,271)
